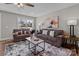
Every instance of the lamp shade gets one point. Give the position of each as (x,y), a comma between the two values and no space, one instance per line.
(72,22)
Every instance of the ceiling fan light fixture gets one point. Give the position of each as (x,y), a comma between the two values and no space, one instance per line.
(20,5)
(17,4)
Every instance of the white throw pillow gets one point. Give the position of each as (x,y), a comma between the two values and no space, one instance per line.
(25,32)
(45,32)
(52,33)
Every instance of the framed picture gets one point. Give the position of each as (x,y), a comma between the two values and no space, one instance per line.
(55,22)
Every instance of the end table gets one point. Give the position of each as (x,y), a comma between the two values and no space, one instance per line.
(72,40)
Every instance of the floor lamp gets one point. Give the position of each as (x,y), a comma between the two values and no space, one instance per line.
(72,23)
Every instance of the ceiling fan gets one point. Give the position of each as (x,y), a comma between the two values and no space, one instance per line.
(20,5)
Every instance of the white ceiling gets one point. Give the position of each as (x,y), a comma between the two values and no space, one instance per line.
(39,9)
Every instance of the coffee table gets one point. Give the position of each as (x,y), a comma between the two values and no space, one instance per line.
(35,41)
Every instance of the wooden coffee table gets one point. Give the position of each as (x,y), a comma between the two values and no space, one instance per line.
(35,41)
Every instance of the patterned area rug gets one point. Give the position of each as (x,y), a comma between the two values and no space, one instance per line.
(21,49)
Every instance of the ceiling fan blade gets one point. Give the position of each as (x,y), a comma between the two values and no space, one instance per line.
(28,4)
(8,3)
(23,4)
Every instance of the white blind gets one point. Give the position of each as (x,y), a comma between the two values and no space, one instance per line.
(0,25)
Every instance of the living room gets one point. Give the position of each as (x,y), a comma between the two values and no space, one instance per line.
(40,16)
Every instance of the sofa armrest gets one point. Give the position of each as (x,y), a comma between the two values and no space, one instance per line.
(60,36)
(14,33)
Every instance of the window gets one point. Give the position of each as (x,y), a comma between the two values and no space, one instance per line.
(26,22)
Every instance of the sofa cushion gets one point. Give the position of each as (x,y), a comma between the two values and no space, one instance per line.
(25,32)
(45,32)
(22,35)
(51,38)
(55,41)
(19,32)
(42,36)
(58,32)
(52,33)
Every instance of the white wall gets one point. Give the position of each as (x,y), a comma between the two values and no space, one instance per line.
(63,14)
(0,25)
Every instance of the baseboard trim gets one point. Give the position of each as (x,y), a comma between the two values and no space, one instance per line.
(3,39)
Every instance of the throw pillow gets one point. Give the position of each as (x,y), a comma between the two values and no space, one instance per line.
(24,32)
(52,33)
(16,33)
(45,32)
(19,32)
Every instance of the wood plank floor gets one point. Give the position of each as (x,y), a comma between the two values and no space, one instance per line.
(3,43)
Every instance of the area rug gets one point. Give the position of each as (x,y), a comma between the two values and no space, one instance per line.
(21,49)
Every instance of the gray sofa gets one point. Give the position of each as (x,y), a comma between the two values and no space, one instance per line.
(20,34)
(56,40)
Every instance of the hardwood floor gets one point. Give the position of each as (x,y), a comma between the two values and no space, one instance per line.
(3,43)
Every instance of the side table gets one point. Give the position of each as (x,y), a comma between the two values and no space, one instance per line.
(72,40)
